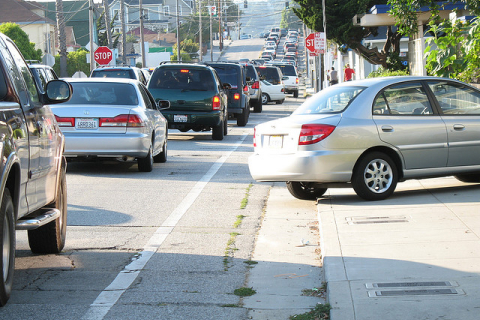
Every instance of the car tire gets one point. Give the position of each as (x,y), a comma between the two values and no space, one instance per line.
(258,106)
(7,254)
(242,119)
(162,156)
(218,131)
(468,178)
(280,101)
(146,164)
(50,238)
(375,177)
(303,191)
(295,94)
(265,98)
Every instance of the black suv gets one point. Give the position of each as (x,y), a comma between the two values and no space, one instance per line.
(33,192)
(198,100)
(238,94)
(119,72)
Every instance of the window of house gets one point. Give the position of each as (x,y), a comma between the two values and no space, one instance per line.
(166,10)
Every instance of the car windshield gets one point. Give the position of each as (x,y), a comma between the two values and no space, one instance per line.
(331,100)
(228,74)
(185,79)
(288,70)
(251,72)
(104,93)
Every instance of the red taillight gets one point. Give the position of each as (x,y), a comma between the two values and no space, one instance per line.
(65,122)
(236,96)
(255,136)
(296,80)
(245,89)
(283,89)
(216,103)
(313,133)
(122,120)
(256,85)
(184,71)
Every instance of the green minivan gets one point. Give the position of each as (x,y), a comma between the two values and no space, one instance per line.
(197,97)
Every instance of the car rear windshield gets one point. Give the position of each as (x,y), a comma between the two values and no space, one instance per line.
(114,73)
(251,72)
(270,74)
(228,74)
(104,93)
(288,70)
(186,79)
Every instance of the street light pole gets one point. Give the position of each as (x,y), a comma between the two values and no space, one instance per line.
(211,33)
(178,34)
(142,39)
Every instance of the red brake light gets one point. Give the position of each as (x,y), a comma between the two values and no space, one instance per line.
(256,85)
(65,122)
(122,120)
(245,89)
(184,71)
(216,103)
(236,96)
(296,80)
(313,133)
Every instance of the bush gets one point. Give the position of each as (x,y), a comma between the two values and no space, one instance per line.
(387,73)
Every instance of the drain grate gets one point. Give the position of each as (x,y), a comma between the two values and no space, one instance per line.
(417,288)
(372,220)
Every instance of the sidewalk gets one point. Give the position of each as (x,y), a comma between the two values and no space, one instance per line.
(216,50)
(414,256)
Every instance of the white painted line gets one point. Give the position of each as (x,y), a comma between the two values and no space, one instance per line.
(110,295)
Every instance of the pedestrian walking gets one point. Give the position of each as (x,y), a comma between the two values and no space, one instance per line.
(332,76)
(349,72)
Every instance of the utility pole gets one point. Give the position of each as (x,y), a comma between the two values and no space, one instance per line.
(238,21)
(211,33)
(62,38)
(178,34)
(107,24)
(124,36)
(90,27)
(200,29)
(220,29)
(142,39)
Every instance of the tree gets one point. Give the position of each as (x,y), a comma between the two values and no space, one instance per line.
(103,34)
(339,16)
(76,61)
(21,39)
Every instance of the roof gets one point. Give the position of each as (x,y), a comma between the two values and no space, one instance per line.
(21,12)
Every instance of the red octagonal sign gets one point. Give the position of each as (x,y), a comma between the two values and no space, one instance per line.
(103,55)
(310,42)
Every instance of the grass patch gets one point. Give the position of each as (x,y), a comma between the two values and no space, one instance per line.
(250,262)
(244,202)
(320,312)
(229,250)
(244,292)
(239,220)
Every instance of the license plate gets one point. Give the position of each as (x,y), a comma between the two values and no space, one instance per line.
(179,118)
(86,123)
(275,142)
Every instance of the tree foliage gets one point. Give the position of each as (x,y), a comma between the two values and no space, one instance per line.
(340,29)
(21,39)
(102,32)
(76,61)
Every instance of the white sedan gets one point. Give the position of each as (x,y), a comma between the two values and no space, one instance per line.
(113,118)
(272,92)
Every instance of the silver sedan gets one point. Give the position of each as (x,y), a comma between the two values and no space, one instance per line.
(371,134)
(113,118)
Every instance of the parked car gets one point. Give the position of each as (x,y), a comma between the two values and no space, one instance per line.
(33,192)
(255,90)
(238,93)
(120,72)
(370,134)
(42,74)
(291,81)
(198,99)
(113,119)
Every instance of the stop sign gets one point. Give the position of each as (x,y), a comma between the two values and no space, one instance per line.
(310,42)
(103,55)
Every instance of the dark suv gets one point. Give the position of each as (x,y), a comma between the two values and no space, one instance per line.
(33,194)
(198,100)
(119,72)
(238,94)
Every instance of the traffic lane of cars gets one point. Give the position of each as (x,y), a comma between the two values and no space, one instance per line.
(371,134)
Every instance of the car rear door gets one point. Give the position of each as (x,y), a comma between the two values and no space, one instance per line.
(405,119)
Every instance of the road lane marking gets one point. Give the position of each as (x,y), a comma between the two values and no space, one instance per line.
(110,295)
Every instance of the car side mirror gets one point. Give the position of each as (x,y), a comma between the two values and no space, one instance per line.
(226,86)
(58,91)
(163,104)
(248,79)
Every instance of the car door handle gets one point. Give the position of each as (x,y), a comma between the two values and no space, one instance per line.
(458,127)
(387,128)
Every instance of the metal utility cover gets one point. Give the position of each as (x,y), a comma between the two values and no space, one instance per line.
(414,292)
(372,220)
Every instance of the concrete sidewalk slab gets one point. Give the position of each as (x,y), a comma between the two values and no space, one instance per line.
(413,256)
(287,252)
